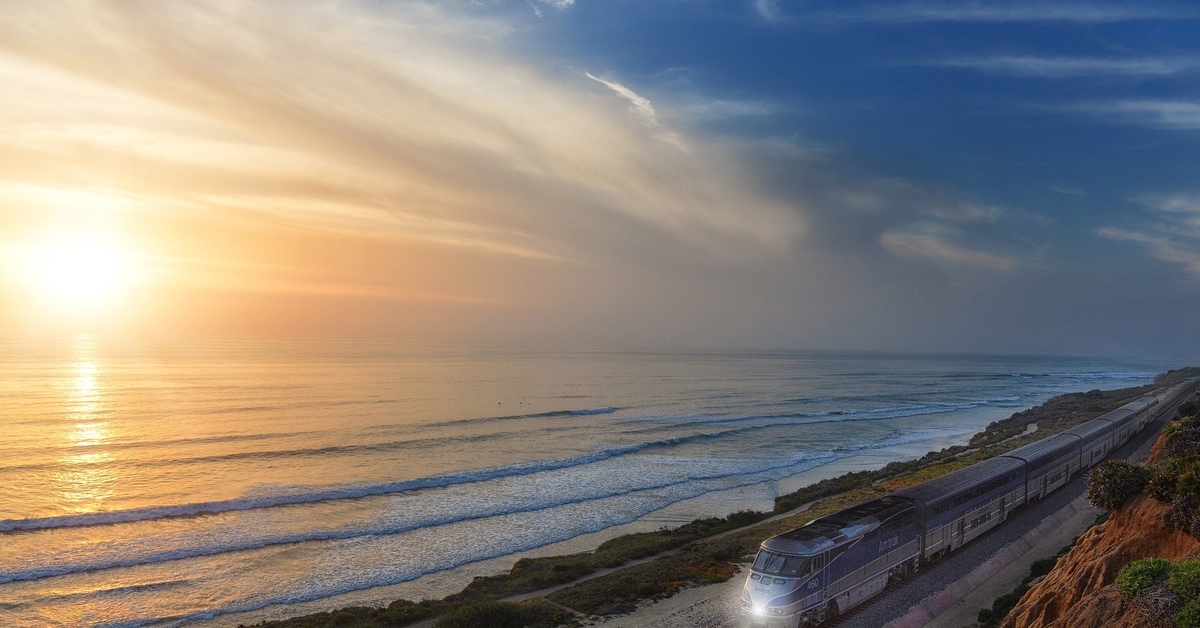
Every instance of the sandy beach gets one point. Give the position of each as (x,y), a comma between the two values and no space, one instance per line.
(711,606)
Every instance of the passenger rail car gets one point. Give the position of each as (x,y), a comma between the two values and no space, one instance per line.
(818,571)
(961,505)
(1049,463)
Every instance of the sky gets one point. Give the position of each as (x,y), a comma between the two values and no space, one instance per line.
(958,177)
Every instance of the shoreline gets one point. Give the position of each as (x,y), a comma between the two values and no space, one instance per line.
(867,461)
(716,606)
(674,515)
(1057,412)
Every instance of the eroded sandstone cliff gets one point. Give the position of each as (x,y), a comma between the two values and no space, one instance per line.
(1079,592)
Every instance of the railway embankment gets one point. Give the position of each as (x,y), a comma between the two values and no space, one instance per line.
(1084,588)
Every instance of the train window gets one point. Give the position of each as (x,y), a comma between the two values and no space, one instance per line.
(780,564)
(815,565)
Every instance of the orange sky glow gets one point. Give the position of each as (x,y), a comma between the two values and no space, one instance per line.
(257,171)
(484,173)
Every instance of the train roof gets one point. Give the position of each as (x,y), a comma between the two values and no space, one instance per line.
(832,530)
(1044,448)
(1150,400)
(952,484)
(1118,416)
(1089,429)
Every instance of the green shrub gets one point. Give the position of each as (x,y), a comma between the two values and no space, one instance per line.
(1181,513)
(1162,486)
(1043,567)
(1189,617)
(991,617)
(1142,574)
(1183,439)
(1113,482)
(1189,480)
(1185,579)
(535,613)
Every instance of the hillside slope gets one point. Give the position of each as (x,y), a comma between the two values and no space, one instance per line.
(1079,592)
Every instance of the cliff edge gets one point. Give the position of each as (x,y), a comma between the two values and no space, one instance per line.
(1080,591)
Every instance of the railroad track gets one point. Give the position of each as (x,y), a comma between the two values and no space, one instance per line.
(898,598)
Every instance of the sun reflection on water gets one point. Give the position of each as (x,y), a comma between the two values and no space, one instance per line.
(86,477)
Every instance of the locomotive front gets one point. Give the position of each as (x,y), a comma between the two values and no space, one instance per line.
(815,572)
(786,581)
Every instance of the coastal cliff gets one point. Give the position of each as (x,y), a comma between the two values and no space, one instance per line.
(1081,590)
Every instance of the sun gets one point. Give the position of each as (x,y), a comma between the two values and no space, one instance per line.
(82,272)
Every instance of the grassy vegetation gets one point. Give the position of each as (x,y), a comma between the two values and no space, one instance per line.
(692,554)
(1143,574)
(1165,592)
(534,574)
(535,613)
(702,562)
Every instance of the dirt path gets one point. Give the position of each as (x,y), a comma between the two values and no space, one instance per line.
(711,606)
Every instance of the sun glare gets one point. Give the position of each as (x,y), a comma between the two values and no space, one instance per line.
(83,273)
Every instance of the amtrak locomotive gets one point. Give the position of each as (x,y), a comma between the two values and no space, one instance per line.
(813,573)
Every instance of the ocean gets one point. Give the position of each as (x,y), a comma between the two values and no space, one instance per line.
(218,483)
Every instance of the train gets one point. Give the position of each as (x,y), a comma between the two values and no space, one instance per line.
(811,574)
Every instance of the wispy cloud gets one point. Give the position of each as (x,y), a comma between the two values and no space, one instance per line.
(411,154)
(1161,247)
(1173,235)
(767,9)
(641,104)
(537,5)
(1162,114)
(903,198)
(1063,67)
(937,248)
(1171,203)
(1177,215)
(1068,191)
(1008,12)
(406,118)
(644,109)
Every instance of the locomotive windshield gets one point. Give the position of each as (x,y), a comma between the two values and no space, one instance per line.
(780,564)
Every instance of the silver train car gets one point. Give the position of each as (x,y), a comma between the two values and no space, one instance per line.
(813,573)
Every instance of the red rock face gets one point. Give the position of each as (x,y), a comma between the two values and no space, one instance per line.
(1079,592)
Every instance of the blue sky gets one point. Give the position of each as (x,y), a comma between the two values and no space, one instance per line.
(918,176)
(1068,129)
(1036,107)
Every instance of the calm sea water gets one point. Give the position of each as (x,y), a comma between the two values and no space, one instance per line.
(222,483)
